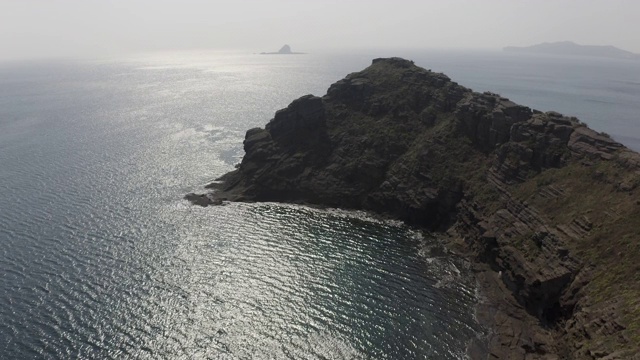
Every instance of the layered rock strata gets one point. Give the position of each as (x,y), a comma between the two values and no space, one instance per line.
(546,208)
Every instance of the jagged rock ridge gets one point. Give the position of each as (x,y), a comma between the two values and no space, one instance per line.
(543,200)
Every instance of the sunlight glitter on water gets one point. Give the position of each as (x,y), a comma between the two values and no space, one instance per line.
(102,258)
(106,259)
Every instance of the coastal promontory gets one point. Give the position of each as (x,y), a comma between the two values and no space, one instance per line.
(546,209)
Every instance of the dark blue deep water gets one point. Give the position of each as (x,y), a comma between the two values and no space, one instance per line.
(101,258)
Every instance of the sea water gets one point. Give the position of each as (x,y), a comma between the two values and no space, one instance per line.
(100,257)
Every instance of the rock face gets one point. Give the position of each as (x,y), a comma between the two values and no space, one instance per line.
(546,207)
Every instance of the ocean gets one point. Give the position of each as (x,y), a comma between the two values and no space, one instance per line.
(100,256)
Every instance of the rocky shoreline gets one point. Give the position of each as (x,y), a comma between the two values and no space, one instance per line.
(546,208)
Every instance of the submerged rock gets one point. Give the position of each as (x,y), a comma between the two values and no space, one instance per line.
(538,198)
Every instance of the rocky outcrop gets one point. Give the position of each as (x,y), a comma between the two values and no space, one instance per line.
(544,205)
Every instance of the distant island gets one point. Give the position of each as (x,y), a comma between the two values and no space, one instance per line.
(571,48)
(285,50)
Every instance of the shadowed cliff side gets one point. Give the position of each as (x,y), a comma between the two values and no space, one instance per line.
(547,208)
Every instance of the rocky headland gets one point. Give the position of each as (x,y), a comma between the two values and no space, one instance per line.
(547,209)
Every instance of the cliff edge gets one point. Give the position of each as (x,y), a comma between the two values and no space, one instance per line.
(547,208)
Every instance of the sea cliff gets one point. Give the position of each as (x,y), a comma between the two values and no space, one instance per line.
(547,209)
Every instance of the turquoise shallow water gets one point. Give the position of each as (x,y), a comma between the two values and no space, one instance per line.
(101,258)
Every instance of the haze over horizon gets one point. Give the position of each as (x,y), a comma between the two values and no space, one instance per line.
(80,28)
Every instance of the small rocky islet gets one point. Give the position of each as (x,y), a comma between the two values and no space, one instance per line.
(546,209)
(284,50)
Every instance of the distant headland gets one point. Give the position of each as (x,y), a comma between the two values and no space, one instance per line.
(573,49)
(285,50)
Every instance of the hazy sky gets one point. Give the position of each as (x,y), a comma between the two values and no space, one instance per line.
(36,28)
